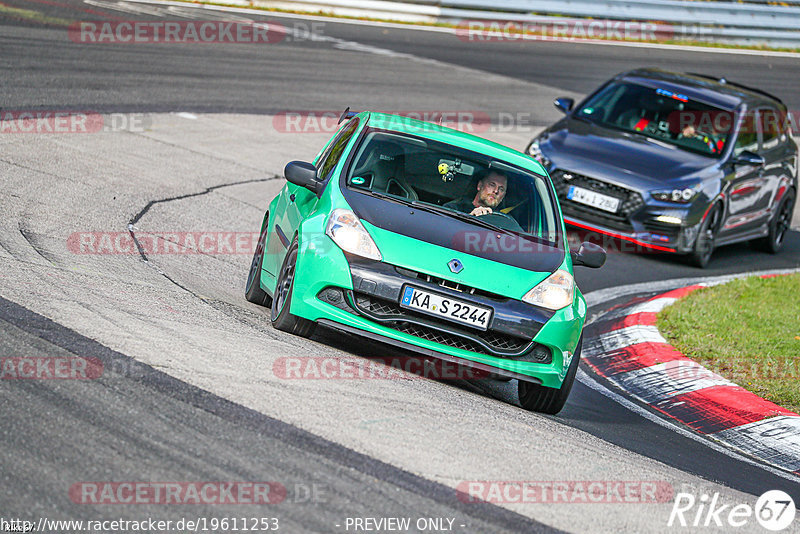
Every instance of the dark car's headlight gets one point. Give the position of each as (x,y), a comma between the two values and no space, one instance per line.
(535,151)
(678,196)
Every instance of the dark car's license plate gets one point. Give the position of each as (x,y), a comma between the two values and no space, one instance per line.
(446,307)
(594,199)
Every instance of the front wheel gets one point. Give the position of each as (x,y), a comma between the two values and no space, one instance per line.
(282,318)
(538,398)
(778,226)
(704,244)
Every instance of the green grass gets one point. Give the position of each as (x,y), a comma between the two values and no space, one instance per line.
(31,15)
(747,330)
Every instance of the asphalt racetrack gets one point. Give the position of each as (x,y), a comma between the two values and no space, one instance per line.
(193,140)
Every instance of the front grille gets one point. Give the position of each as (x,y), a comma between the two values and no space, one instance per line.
(596,216)
(631,201)
(493,343)
(538,353)
(441,282)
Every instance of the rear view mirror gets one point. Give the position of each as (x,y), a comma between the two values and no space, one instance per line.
(749,158)
(303,174)
(564,104)
(589,255)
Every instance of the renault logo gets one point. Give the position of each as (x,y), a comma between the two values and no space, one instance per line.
(455,266)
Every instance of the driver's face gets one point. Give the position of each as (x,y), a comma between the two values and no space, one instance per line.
(492,190)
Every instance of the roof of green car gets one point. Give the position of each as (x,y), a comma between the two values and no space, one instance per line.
(436,132)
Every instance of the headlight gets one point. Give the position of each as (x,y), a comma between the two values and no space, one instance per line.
(554,293)
(679,196)
(347,231)
(535,152)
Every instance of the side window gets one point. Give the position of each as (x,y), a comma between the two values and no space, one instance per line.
(748,135)
(769,121)
(334,151)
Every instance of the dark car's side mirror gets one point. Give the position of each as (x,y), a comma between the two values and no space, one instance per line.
(589,255)
(749,158)
(564,104)
(303,174)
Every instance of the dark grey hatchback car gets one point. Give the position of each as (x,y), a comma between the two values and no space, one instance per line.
(674,162)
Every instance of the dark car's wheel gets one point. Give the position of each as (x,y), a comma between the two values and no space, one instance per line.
(253,292)
(704,244)
(778,226)
(282,318)
(538,398)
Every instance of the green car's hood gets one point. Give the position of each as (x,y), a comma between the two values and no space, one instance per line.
(432,259)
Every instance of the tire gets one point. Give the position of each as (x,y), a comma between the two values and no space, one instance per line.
(778,226)
(538,398)
(704,244)
(252,291)
(282,318)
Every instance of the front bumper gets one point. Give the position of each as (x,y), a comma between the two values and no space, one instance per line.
(522,340)
(664,238)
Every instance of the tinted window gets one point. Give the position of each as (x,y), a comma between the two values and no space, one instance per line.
(661,114)
(335,150)
(430,173)
(748,137)
(770,123)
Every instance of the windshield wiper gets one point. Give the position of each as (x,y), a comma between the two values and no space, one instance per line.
(385,196)
(461,216)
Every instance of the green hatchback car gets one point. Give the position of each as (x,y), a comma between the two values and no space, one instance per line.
(431,240)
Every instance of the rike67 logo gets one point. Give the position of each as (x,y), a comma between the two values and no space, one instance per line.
(774,511)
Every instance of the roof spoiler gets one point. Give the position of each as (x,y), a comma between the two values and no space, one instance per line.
(347,115)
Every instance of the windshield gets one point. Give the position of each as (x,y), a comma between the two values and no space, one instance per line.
(660,114)
(456,183)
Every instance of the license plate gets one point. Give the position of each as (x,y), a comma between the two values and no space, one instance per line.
(591,198)
(446,307)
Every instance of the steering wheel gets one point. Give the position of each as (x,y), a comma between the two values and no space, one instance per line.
(502,220)
(701,135)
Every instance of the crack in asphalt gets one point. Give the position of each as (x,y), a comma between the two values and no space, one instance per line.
(221,306)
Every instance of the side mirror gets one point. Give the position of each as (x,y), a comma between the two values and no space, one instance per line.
(589,255)
(564,104)
(749,158)
(303,174)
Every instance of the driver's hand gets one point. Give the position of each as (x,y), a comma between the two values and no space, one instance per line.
(481,210)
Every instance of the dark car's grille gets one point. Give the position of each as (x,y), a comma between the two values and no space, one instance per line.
(427,327)
(631,201)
